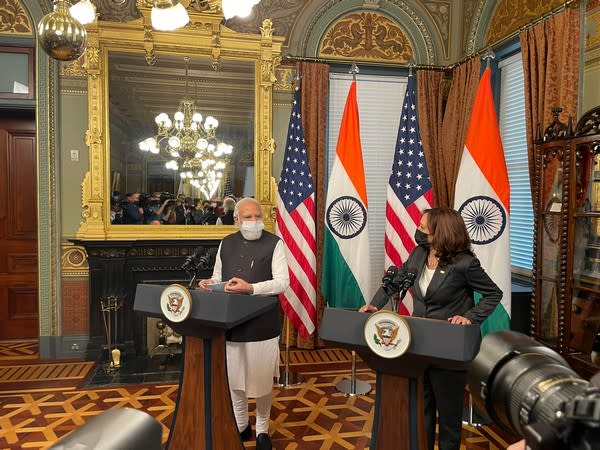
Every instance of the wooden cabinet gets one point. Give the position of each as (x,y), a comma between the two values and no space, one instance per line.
(566,297)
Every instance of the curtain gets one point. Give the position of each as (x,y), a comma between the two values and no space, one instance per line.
(430,92)
(448,153)
(314,85)
(550,52)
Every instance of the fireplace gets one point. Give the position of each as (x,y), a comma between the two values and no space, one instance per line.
(115,269)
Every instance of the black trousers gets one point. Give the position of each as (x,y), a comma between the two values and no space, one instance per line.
(444,394)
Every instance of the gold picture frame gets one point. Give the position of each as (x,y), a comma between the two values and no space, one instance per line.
(206,36)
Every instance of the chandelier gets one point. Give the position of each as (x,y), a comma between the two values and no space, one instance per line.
(192,145)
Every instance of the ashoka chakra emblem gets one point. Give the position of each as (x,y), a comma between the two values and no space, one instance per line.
(346,217)
(485,219)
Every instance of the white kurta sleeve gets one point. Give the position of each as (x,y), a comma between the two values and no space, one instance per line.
(217,269)
(279,269)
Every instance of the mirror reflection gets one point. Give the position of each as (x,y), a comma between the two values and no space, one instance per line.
(181,138)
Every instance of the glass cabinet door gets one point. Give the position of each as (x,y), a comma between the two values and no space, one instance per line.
(550,221)
(584,337)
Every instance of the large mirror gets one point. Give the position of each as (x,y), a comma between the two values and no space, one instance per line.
(176,118)
(182,153)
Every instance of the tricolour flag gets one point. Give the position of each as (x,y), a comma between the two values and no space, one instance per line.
(296,214)
(409,191)
(346,268)
(482,197)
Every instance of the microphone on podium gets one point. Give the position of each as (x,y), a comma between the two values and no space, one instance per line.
(394,282)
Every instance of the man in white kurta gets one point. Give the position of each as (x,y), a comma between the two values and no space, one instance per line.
(258,257)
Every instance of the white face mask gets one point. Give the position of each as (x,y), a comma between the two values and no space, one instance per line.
(252,229)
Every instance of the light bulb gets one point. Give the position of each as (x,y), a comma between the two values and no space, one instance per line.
(84,11)
(174,142)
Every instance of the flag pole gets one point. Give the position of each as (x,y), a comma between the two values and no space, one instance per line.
(288,377)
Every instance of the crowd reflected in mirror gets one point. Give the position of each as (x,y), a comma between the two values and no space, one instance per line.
(163,208)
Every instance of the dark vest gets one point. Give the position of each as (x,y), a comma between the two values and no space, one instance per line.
(227,218)
(251,261)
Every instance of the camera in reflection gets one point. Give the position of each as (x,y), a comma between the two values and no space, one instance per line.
(530,390)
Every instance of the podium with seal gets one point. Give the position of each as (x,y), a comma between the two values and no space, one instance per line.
(203,417)
(399,349)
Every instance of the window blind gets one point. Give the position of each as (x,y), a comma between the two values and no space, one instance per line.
(514,140)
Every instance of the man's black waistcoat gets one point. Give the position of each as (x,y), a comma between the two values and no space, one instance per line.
(251,261)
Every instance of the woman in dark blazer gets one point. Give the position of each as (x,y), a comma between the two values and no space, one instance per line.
(447,275)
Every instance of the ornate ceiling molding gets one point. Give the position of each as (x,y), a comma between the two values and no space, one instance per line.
(283,13)
(441,12)
(317,17)
(366,36)
(13,19)
(509,16)
(477,13)
(418,20)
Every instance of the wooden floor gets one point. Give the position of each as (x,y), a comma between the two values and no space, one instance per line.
(41,401)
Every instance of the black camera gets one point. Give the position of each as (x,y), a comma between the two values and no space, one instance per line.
(144,199)
(529,390)
(164,196)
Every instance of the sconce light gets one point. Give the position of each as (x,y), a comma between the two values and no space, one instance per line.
(83,11)
(168,15)
(237,8)
(60,35)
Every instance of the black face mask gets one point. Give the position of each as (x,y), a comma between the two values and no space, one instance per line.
(421,238)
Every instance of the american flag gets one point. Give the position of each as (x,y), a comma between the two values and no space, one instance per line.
(296,214)
(409,190)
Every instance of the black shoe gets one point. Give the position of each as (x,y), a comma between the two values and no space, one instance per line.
(263,442)
(246,435)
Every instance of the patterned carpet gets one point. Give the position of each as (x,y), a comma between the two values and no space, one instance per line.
(34,412)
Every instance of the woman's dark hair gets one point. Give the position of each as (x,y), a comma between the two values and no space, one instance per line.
(448,233)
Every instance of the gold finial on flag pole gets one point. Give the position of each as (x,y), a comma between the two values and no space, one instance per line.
(487,56)
(354,70)
(411,65)
(297,77)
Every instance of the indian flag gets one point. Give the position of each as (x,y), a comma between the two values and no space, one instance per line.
(482,197)
(345,272)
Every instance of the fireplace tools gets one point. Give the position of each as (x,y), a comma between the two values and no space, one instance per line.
(110,306)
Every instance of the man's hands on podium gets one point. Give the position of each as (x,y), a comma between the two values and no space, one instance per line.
(235,286)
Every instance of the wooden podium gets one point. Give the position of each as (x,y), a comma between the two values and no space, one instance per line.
(203,417)
(399,399)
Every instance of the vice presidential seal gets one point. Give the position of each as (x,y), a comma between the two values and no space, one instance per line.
(387,334)
(176,303)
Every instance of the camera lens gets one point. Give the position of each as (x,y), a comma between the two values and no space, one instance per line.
(520,382)
(531,388)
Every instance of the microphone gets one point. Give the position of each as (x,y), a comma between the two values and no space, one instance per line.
(403,287)
(390,275)
(207,261)
(407,283)
(191,262)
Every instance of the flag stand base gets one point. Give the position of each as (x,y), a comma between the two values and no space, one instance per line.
(353,387)
(289,378)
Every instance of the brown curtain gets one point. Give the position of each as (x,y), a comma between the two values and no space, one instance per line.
(448,153)
(430,91)
(550,52)
(314,85)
